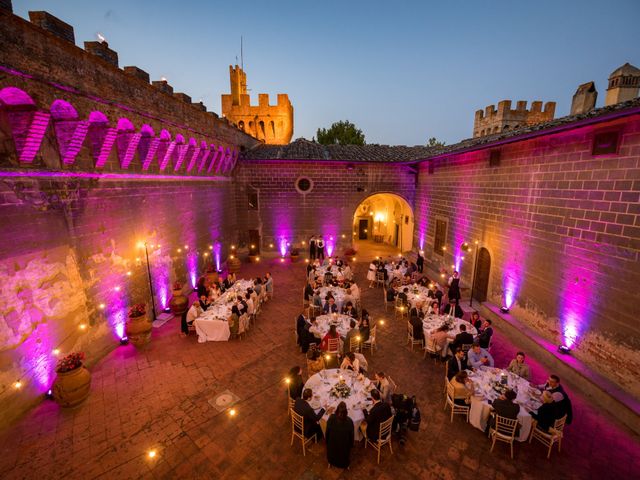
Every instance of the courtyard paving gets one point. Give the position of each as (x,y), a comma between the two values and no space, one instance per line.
(158,399)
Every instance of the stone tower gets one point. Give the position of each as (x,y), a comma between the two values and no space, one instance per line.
(584,100)
(272,124)
(624,83)
(491,121)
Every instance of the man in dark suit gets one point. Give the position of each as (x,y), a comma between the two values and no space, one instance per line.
(505,407)
(311,418)
(380,411)
(457,363)
(403,296)
(308,291)
(305,337)
(463,338)
(454,308)
(485,336)
(418,330)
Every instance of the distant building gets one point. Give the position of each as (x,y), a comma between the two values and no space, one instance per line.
(624,83)
(492,121)
(272,124)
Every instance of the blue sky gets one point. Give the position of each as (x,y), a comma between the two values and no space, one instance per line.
(402,71)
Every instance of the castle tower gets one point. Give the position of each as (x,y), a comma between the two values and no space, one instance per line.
(492,121)
(624,83)
(584,100)
(272,124)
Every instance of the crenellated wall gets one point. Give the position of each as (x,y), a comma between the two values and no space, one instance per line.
(562,227)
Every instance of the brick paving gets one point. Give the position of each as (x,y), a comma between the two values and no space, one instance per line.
(158,399)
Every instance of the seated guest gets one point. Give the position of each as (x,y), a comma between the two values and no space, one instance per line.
(353,333)
(440,338)
(317,300)
(452,308)
(355,291)
(418,329)
(437,293)
(204,303)
(330,306)
(350,362)
(214,292)
(257,285)
(547,413)
(560,397)
(201,287)
(348,274)
(476,321)
(187,318)
(340,435)
(249,301)
(403,295)
(315,360)
(311,418)
(379,412)
(364,366)
(433,309)
(457,364)
(332,333)
(234,321)
(296,383)
(518,366)
(463,338)
(485,336)
(363,326)
(384,385)
(348,297)
(350,310)
(305,337)
(478,357)
(308,291)
(391,294)
(504,406)
(462,388)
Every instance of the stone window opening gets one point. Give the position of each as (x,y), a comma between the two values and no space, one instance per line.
(304,185)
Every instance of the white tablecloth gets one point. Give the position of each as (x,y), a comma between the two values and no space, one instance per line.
(432,322)
(394,272)
(322,323)
(321,384)
(338,294)
(528,398)
(212,325)
(416,295)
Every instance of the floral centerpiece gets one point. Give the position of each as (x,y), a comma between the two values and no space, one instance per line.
(70,362)
(340,390)
(138,310)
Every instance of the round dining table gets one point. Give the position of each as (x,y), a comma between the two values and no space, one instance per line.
(322,323)
(358,399)
(432,322)
(487,383)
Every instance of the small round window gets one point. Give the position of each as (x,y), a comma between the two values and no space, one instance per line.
(304,185)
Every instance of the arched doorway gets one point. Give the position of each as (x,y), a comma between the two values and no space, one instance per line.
(383,221)
(481,277)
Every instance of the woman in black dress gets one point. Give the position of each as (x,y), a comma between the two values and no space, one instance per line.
(296,383)
(364,327)
(339,437)
(454,287)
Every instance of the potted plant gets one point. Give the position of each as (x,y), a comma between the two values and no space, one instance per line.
(73,381)
(179,301)
(295,254)
(138,327)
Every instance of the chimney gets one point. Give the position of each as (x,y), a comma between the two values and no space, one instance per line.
(54,25)
(102,50)
(584,100)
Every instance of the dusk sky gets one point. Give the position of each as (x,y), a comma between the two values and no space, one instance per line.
(401,71)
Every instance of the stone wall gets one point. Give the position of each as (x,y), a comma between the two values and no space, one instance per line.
(328,208)
(69,248)
(562,227)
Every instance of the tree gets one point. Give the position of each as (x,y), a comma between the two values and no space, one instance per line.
(341,133)
(434,142)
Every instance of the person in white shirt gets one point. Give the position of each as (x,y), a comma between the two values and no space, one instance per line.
(355,292)
(350,362)
(187,320)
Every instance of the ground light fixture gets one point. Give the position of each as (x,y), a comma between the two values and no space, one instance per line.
(564,350)
(124,340)
(504,309)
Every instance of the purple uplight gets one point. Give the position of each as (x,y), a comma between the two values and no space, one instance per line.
(282,246)
(192,268)
(331,244)
(514,266)
(160,273)
(421,240)
(116,305)
(576,300)
(217,249)
(40,362)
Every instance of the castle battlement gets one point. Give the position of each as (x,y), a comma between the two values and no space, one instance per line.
(272,124)
(495,120)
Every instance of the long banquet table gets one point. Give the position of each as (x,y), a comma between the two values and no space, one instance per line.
(213,325)
(484,379)
(321,384)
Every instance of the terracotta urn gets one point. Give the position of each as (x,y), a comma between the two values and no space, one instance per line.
(138,330)
(211,277)
(179,303)
(72,388)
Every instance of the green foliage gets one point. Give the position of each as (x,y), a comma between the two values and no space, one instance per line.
(434,142)
(341,133)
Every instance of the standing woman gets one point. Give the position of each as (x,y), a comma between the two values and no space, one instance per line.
(320,247)
(339,437)
(371,274)
(454,287)
(312,247)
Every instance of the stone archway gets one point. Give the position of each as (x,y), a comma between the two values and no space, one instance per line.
(384,221)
